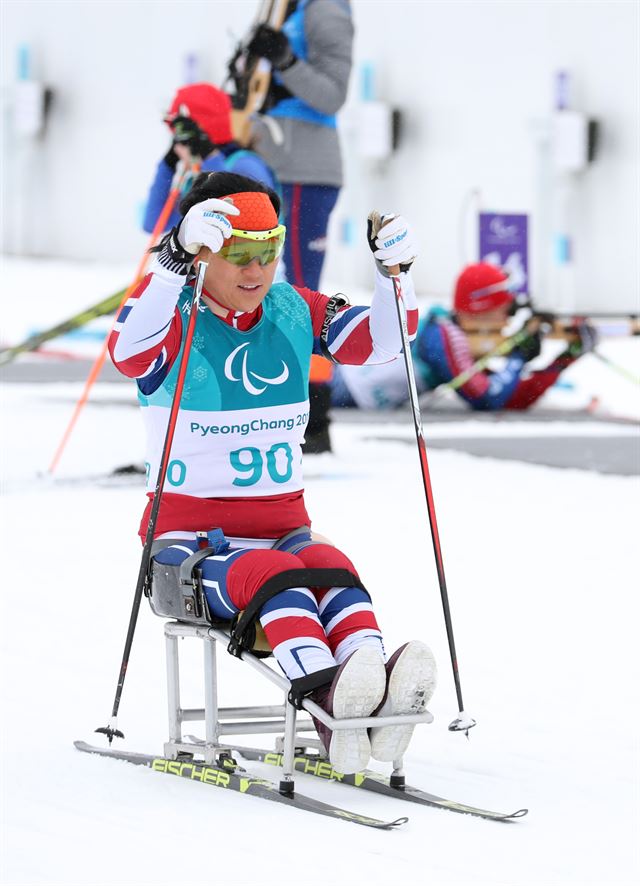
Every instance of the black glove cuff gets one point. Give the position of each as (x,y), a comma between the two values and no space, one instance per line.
(171,158)
(173,256)
(202,147)
(287,63)
(384,270)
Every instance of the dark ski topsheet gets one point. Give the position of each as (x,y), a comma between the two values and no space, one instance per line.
(241,782)
(374,781)
(106,306)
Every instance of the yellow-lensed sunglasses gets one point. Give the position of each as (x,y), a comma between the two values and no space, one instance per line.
(244,246)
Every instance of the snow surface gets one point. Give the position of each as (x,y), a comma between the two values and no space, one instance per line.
(541,568)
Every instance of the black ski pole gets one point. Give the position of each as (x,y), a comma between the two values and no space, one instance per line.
(462,723)
(112,730)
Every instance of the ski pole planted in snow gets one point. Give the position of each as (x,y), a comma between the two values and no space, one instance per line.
(462,723)
(112,730)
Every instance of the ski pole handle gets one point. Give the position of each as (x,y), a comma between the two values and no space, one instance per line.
(376,223)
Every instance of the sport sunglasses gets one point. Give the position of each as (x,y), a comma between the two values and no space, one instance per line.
(244,246)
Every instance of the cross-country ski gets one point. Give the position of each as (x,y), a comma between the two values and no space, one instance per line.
(242,783)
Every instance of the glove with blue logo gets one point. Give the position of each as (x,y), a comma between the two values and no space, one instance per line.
(393,244)
(205,224)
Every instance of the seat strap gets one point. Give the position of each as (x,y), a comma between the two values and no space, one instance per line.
(301,530)
(283,581)
(186,574)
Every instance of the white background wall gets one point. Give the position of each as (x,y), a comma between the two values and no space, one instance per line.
(474,81)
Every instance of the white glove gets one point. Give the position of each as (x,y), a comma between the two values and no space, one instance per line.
(395,243)
(206,224)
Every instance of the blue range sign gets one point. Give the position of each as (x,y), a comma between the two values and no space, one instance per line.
(503,240)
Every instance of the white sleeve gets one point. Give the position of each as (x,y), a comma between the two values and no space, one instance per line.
(146,317)
(383,317)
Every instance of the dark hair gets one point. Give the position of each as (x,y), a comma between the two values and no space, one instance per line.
(221,184)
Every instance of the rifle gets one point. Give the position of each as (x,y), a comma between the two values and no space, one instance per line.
(251,75)
(488,342)
(502,346)
(500,349)
(483,338)
(606,325)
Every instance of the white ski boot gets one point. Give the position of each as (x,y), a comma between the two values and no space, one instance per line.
(411,680)
(357,690)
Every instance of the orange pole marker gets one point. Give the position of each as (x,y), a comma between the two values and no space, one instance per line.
(95,370)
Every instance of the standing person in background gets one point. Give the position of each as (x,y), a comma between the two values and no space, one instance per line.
(311,56)
(200,122)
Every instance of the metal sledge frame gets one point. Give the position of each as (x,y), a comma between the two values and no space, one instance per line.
(250,720)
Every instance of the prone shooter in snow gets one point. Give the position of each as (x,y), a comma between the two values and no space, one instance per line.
(448,344)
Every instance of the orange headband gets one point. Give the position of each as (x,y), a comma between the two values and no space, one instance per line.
(256,211)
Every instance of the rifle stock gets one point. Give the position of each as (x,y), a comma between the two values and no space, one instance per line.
(252,75)
(483,339)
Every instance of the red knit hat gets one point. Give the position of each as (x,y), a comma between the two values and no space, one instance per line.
(208,106)
(481,287)
(256,211)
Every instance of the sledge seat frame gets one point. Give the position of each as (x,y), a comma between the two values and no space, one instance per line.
(248,720)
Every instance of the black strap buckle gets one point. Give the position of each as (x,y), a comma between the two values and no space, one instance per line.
(337,301)
(303,687)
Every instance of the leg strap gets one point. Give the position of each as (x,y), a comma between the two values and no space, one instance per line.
(301,534)
(302,687)
(242,628)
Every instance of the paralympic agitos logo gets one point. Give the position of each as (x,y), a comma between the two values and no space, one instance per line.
(245,372)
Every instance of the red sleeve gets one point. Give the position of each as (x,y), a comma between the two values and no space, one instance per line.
(349,337)
(317,303)
(458,359)
(531,389)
